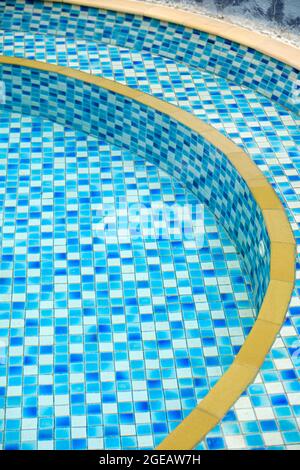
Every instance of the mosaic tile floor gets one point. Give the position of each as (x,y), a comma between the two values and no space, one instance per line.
(268,414)
(112,338)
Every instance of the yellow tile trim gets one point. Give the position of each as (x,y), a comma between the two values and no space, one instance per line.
(277,300)
(269,46)
(282,270)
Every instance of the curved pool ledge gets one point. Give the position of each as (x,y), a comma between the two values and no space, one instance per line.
(266,45)
(282,246)
(266,416)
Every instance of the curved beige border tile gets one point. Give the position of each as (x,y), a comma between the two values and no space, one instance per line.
(282,270)
(281,51)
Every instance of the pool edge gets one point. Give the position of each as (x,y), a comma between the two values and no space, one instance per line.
(282,277)
(284,52)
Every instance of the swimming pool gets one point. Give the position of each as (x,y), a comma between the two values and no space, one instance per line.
(113,334)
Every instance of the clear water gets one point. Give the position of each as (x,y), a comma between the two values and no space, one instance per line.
(109,339)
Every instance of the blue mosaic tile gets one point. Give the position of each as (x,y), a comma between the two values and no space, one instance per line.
(268,132)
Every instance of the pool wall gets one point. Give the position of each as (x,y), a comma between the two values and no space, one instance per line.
(224,57)
(165,142)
